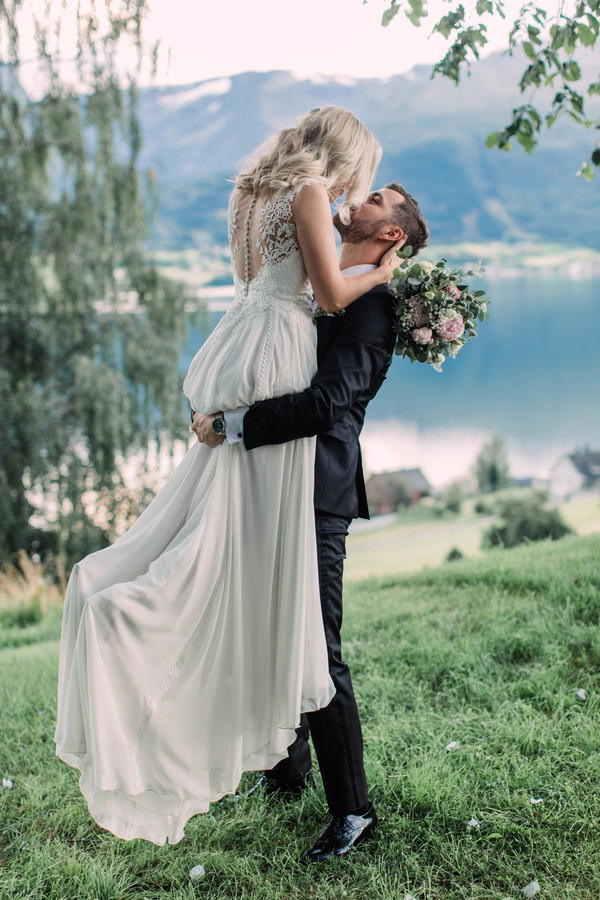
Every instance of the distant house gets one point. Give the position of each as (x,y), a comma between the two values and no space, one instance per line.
(574,472)
(386,491)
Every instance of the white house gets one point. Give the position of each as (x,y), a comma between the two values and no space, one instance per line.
(575,472)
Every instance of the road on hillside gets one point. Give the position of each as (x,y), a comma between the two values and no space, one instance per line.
(420,534)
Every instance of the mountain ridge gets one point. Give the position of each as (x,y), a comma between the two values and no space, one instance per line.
(433,137)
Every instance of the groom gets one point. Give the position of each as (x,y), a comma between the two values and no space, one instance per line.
(354,351)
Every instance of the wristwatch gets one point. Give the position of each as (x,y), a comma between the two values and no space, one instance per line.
(218,425)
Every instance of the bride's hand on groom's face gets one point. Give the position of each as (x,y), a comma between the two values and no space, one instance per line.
(202,428)
(389,260)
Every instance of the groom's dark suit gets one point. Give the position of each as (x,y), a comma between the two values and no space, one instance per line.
(354,351)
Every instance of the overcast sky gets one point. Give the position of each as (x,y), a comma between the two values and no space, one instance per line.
(203,39)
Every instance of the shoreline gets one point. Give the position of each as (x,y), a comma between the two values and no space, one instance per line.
(199,267)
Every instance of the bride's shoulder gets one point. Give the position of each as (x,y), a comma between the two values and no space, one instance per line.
(308,190)
(310,199)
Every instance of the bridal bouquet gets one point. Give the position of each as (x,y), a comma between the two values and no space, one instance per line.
(436,312)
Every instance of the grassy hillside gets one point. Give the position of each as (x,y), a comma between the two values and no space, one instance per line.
(488,653)
(423,536)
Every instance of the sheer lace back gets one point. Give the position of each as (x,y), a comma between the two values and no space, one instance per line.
(266,257)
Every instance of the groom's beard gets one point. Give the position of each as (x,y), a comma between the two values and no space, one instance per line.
(356,231)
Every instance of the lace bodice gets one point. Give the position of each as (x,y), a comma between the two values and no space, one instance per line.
(267,261)
(265,344)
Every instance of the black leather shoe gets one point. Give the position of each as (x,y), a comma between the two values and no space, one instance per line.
(270,786)
(339,836)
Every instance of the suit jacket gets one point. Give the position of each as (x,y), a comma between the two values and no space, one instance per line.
(354,352)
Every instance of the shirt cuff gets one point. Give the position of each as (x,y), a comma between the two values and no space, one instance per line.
(234,424)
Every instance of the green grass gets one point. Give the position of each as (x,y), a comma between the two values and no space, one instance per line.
(488,652)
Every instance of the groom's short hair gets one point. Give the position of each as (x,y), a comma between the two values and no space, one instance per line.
(410,219)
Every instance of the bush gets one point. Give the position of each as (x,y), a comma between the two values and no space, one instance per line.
(525,519)
(482,508)
(454,554)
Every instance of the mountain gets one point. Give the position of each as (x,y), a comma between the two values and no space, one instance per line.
(433,136)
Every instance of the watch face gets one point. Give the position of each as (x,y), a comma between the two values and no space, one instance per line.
(218,425)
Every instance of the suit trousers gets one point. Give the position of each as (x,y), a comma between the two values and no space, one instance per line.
(335,730)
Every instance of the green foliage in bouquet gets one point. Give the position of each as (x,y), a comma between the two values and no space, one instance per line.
(436,311)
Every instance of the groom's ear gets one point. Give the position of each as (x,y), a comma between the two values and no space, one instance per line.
(390,232)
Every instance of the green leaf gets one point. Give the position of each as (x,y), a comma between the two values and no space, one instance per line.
(484,6)
(535,118)
(448,23)
(526,141)
(595,157)
(594,88)
(417,13)
(586,35)
(529,50)
(593,23)
(571,71)
(532,34)
(577,102)
(587,171)
(389,14)
(492,139)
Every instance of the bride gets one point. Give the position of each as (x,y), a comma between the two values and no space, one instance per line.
(191,646)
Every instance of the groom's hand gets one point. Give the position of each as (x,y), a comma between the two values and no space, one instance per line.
(202,428)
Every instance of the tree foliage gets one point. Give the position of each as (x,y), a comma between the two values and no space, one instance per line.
(526,519)
(90,333)
(550,39)
(491,466)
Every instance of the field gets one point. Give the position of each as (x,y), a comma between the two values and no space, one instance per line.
(488,653)
(422,536)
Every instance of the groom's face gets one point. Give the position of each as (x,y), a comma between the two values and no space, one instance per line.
(370,219)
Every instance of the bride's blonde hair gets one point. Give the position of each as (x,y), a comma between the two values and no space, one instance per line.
(329,145)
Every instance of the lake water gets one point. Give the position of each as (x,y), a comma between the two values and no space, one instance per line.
(532,374)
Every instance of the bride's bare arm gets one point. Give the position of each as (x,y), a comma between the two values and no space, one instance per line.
(314,228)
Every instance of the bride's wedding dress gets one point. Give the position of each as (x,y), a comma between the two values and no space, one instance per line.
(191,646)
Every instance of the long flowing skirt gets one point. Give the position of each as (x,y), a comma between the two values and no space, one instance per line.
(191,646)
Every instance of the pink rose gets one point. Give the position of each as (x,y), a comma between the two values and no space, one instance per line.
(418,312)
(452,329)
(453,292)
(422,335)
